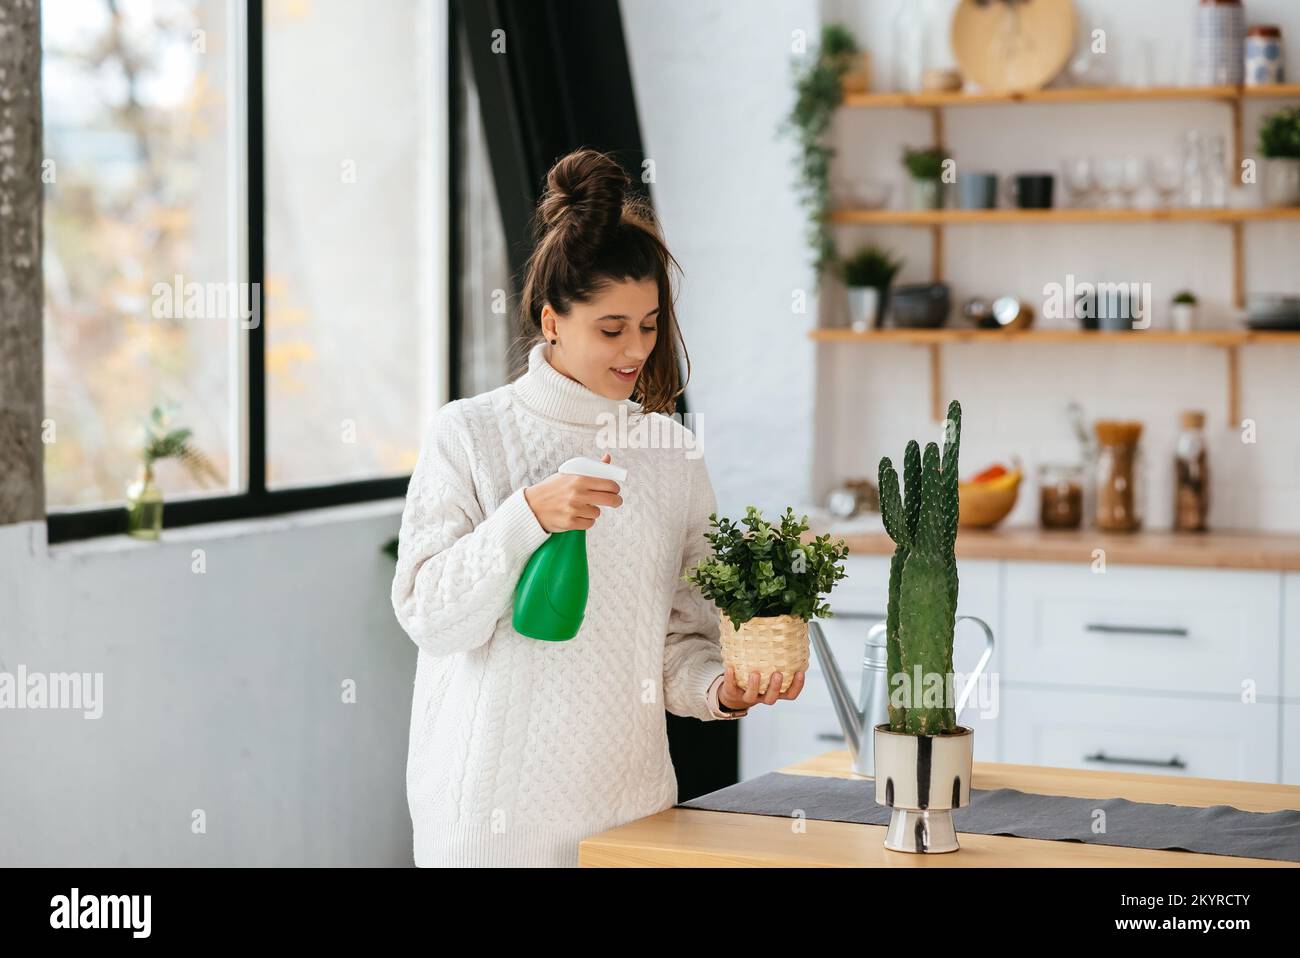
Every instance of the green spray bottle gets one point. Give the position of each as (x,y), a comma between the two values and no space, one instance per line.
(551,597)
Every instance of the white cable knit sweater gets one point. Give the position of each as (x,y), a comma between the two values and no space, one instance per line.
(519,748)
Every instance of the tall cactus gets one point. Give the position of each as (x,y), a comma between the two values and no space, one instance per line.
(922,609)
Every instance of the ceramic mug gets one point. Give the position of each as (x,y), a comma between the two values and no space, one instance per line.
(1030,191)
(978,191)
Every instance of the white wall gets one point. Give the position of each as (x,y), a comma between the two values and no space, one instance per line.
(874,398)
(712,83)
(221,692)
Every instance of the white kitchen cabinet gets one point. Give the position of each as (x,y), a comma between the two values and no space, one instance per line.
(1290,742)
(1143,628)
(1127,732)
(771,737)
(1291,643)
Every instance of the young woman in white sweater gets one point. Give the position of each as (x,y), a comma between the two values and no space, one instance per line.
(520,748)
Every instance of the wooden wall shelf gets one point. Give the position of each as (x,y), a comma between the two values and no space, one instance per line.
(935,102)
(945,217)
(1227,339)
(1202,337)
(1226,94)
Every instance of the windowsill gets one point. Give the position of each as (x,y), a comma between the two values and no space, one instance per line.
(235,528)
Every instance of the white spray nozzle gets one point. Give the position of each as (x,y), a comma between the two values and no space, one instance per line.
(593,468)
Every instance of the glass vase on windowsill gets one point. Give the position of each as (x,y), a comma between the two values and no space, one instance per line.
(144,505)
(144,500)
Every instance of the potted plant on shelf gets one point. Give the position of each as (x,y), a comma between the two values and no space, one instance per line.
(925,166)
(1279,142)
(144,500)
(867,275)
(1183,308)
(818,92)
(923,758)
(767,583)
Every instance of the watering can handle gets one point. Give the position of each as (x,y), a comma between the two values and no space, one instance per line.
(983,662)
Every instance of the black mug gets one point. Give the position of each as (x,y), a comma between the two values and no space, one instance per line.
(1030,191)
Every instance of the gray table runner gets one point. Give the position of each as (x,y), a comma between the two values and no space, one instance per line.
(1217,830)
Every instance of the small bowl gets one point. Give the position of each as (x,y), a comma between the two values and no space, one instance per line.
(982,505)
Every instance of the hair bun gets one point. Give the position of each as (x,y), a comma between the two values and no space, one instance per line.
(584,197)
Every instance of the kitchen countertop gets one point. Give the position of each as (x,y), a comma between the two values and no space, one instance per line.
(688,837)
(1278,552)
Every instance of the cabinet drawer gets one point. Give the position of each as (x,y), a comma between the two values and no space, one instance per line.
(1291,743)
(1161,629)
(1291,639)
(1122,732)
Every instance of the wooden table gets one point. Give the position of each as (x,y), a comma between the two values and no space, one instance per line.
(687,837)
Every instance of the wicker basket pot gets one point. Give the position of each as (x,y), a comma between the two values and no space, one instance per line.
(766,644)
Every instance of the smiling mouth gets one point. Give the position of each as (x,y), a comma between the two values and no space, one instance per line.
(627,373)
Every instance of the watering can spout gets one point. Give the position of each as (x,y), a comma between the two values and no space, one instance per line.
(846,710)
(859,717)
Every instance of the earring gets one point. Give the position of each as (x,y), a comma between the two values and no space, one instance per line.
(553,342)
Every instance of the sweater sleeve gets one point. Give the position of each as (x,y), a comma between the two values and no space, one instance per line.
(693,650)
(457,567)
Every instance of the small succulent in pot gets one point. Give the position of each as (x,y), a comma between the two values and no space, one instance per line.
(1279,144)
(767,583)
(1183,307)
(868,275)
(926,166)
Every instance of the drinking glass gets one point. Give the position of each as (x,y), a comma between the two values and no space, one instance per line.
(1168,178)
(1133,178)
(1193,169)
(1110,179)
(1078,180)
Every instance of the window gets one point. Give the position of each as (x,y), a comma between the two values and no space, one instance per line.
(140,155)
(246,218)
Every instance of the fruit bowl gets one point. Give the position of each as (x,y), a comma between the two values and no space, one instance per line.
(986,500)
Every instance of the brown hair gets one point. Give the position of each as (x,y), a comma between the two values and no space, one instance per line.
(590,231)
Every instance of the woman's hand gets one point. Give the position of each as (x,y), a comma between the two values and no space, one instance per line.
(565,502)
(734,697)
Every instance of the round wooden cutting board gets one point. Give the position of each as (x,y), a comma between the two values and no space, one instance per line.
(1020,45)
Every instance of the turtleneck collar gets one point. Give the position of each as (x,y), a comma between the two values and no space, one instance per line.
(550,393)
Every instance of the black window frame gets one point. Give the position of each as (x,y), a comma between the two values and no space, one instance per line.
(257,500)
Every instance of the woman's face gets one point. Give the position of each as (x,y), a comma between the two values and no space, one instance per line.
(605,343)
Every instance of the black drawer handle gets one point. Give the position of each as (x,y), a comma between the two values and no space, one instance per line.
(1135,629)
(830,736)
(1174,762)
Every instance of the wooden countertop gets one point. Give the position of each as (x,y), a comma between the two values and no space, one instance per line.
(1278,552)
(688,837)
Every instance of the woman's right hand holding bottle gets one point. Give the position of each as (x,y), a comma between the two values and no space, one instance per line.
(563,502)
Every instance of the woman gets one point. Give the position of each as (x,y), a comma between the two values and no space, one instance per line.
(521,748)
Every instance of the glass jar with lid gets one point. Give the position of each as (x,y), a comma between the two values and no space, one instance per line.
(1120,499)
(1060,496)
(1191,475)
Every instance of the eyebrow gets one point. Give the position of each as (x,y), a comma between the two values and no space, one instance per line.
(623,318)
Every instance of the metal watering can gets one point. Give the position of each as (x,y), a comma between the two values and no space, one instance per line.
(872,709)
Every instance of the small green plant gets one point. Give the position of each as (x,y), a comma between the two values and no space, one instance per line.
(870,266)
(1279,134)
(818,92)
(767,570)
(925,163)
(922,610)
(1186,297)
(162,441)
